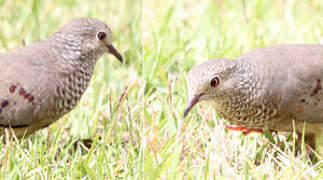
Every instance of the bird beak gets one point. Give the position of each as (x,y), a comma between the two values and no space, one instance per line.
(192,100)
(114,52)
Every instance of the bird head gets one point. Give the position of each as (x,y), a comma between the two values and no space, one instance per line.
(87,36)
(210,81)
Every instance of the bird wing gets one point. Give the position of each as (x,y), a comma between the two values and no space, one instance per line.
(295,72)
(304,92)
(20,82)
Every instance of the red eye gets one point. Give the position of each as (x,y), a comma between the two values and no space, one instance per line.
(215,81)
(101,35)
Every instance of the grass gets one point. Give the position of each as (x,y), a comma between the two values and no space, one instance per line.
(133,111)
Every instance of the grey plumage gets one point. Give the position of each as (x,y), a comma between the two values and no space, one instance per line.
(42,82)
(266,88)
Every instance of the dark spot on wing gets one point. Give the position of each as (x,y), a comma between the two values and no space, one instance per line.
(12,88)
(31,98)
(317,88)
(4,103)
(28,96)
(22,92)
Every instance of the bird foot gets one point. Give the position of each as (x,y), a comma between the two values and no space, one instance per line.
(245,130)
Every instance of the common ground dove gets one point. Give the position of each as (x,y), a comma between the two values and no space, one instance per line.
(270,88)
(42,82)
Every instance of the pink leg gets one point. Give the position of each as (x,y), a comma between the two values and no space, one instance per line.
(245,130)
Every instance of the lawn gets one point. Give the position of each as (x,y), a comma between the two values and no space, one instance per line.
(132,112)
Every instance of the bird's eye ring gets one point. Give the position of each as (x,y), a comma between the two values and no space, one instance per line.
(101,35)
(215,82)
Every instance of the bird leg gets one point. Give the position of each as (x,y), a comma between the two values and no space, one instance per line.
(245,130)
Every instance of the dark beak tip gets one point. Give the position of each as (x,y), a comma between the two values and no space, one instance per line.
(190,104)
(185,113)
(114,52)
(120,58)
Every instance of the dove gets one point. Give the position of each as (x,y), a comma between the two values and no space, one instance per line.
(42,82)
(276,88)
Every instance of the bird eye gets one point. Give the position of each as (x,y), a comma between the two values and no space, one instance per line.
(215,82)
(101,35)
